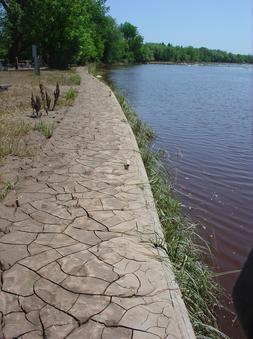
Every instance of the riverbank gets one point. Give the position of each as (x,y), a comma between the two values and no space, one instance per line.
(196,63)
(80,236)
(195,279)
(103,67)
(195,112)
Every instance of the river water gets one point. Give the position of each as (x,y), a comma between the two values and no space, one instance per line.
(202,116)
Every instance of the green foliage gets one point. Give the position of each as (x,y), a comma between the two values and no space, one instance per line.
(3,35)
(65,31)
(134,42)
(162,52)
(92,69)
(80,31)
(115,45)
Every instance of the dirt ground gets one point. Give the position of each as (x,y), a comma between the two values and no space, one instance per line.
(21,135)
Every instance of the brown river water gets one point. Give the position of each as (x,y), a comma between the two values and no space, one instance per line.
(202,116)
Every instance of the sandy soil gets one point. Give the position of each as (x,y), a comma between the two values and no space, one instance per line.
(15,107)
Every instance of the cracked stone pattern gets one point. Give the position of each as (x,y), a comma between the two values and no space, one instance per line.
(77,254)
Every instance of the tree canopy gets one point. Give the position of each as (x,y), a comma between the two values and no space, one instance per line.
(66,31)
(80,31)
(162,52)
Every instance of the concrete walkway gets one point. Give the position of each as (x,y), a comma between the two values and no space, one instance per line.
(77,237)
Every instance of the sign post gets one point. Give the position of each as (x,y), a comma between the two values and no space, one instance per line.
(36,60)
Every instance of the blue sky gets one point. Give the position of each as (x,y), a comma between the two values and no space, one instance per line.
(222,24)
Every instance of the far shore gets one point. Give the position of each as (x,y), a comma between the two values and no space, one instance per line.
(197,63)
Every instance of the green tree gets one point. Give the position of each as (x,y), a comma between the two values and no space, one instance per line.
(114,48)
(3,36)
(129,31)
(79,31)
(65,31)
(161,52)
(13,27)
(134,50)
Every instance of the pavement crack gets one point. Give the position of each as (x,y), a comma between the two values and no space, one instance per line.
(57,308)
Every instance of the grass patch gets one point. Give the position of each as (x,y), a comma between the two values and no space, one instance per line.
(75,79)
(194,278)
(45,128)
(70,96)
(7,187)
(18,98)
(93,69)
(64,78)
(12,137)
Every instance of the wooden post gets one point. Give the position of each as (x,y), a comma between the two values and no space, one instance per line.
(16,62)
(35,59)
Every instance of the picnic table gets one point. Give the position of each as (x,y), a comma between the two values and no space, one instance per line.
(24,63)
(3,65)
(4,87)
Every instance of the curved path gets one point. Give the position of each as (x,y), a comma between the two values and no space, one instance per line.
(77,254)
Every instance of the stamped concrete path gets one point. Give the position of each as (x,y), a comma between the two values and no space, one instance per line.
(77,236)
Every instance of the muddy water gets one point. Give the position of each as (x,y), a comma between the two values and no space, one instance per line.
(202,116)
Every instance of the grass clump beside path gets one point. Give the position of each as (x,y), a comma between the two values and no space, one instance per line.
(194,278)
(7,187)
(46,129)
(70,96)
(12,133)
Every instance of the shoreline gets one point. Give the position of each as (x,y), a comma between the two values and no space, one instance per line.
(81,239)
(196,63)
(169,63)
(185,231)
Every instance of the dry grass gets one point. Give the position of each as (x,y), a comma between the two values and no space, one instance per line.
(7,187)
(12,137)
(64,78)
(17,99)
(45,128)
(70,96)
(15,106)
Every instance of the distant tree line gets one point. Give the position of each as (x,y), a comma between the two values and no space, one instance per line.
(162,52)
(81,31)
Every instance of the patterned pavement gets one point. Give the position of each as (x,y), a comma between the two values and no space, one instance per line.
(77,236)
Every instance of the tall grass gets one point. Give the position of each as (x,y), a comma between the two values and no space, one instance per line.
(70,96)
(183,245)
(75,79)
(64,78)
(12,137)
(46,129)
(92,68)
